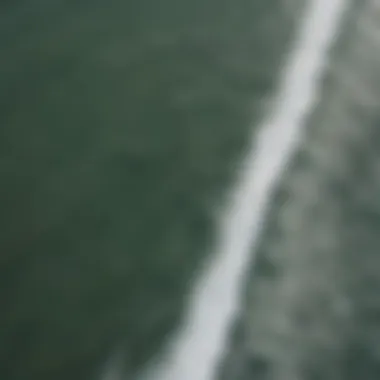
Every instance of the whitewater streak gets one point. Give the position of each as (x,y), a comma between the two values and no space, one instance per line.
(196,350)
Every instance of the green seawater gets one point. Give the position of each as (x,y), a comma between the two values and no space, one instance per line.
(311,308)
(121,127)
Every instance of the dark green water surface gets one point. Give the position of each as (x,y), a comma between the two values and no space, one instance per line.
(121,125)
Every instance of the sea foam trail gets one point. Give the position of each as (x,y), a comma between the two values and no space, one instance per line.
(214,303)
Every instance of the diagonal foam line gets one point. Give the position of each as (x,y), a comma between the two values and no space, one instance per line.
(214,303)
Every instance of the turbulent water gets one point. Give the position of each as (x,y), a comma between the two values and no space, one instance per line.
(311,305)
(214,301)
(134,159)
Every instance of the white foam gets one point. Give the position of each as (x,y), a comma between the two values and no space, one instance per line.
(195,352)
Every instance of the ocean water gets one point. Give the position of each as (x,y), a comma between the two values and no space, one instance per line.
(124,127)
(215,302)
(311,300)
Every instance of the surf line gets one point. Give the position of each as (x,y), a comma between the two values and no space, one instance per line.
(195,351)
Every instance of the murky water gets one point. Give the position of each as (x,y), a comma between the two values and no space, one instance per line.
(122,123)
(140,141)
